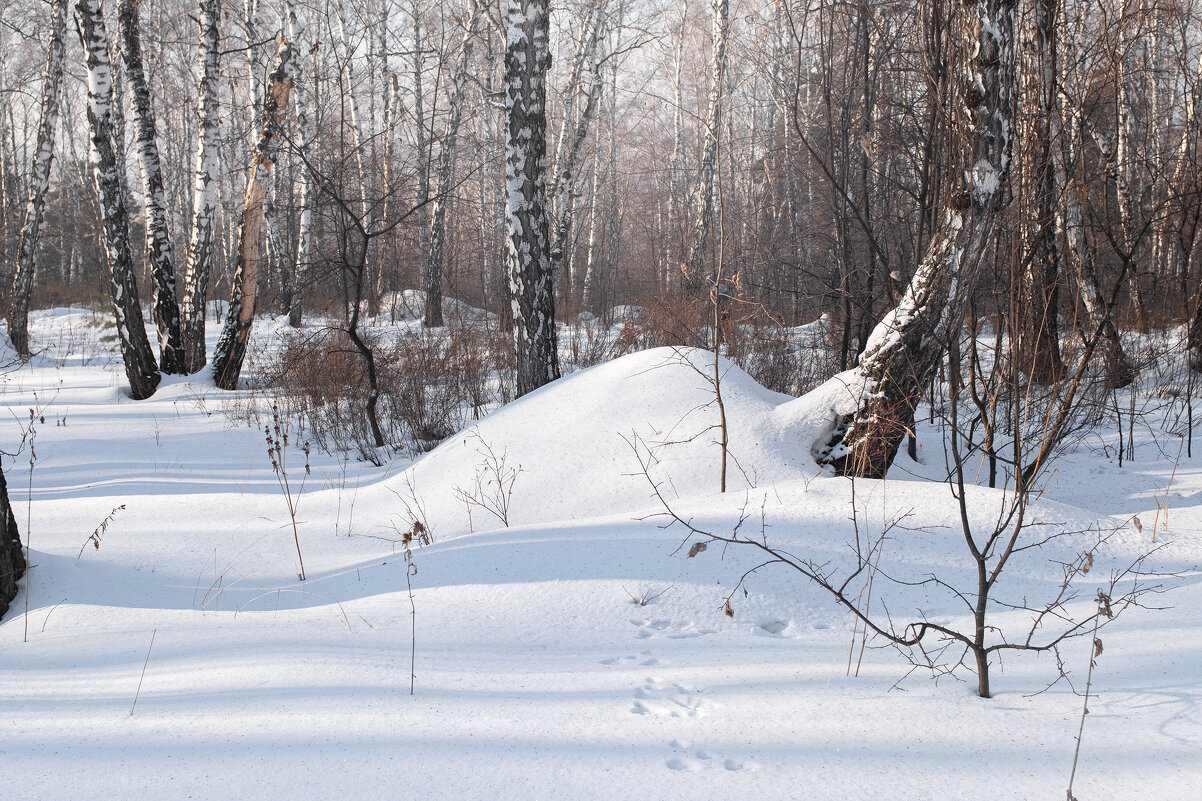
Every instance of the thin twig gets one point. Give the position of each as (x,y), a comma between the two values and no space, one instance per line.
(144,664)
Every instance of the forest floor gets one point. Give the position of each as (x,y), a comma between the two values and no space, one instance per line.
(562,643)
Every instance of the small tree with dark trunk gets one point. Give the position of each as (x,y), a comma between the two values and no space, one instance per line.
(12,560)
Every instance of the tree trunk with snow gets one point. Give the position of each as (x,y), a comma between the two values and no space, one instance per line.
(159,253)
(432,272)
(140,367)
(907,345)
(39,182)
(527,59)
(204,192)
(231,346)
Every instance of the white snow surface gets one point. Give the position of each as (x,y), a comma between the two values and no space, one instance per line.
(537,676)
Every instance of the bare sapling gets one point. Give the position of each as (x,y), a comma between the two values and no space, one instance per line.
(276,434)
(491,488)
(944,647)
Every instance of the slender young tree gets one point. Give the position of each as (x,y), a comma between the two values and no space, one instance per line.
(231,345)
(907,345)
(39,182)
(159,252)
(202,244)
(140,367)
(527,59)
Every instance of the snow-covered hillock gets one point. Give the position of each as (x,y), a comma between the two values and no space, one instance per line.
(574,443)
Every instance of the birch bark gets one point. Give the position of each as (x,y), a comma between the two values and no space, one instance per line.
(140,367)
(39,182)
(204,192)
(159,253)
(527,59)
(432,274)
(231,345)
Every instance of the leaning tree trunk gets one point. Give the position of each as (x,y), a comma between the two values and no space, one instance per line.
(1036,323)
(231,345)
(432,273)
(204,193)
(12,561)
(907,345)
(694,264)
(527,59)
(159,252)
(39,183)
(140,367)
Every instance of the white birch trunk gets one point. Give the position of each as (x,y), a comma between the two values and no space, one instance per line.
(304,134)
(39,182)
(159,253)
(231,346)
(694,264)
(140,367)
(527,59)
(204,192)
(432,273)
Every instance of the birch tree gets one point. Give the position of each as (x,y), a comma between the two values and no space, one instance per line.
(204,193)
(432,271)
(159,252)
(527,59)
(304,133)
(231,345)
(39,183)
(905,348)
(694,266)
(140,367)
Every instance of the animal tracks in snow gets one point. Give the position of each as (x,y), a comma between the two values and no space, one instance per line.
(648,628)
(645,659)
(694,760)
(656,697)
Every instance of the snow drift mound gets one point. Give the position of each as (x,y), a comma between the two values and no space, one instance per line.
(568,447)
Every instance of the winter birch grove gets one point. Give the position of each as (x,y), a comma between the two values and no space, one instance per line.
(573,163)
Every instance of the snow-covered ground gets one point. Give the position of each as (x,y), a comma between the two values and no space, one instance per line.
(538,672)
